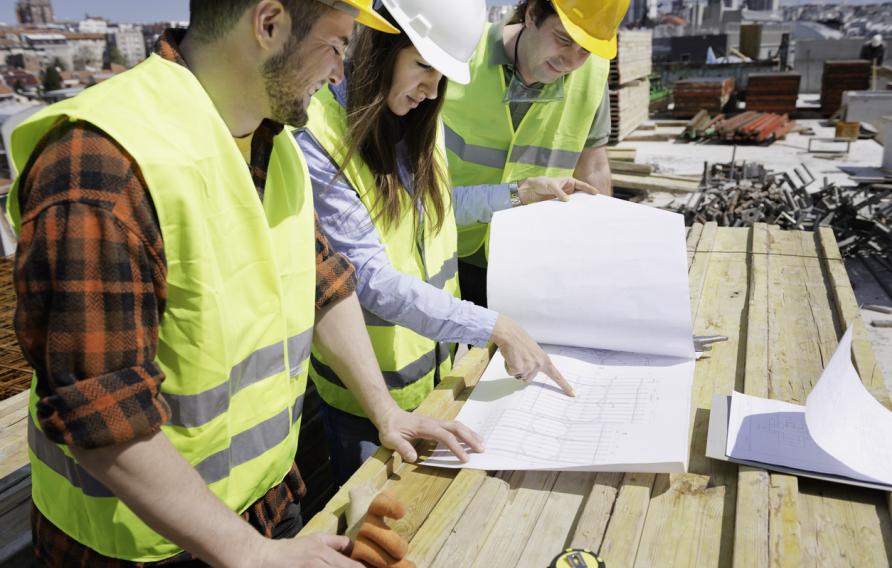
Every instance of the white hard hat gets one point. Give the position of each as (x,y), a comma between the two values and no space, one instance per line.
(876,40)
(444,33)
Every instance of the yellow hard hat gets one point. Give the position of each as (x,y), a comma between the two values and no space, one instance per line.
(593,23)
(364,13)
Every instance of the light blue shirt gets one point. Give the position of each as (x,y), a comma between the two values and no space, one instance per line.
(383,291)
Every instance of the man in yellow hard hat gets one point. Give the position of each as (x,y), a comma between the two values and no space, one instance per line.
(170,278)
(536,113)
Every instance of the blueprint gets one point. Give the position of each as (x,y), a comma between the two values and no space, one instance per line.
(630,413)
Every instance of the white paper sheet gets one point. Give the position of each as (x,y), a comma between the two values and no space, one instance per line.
(631,413)
(607,280)
(841,430)
(774,432)
(595,272)
(847,421)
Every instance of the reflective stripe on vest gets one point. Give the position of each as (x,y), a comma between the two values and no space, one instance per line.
(407,360)
(414,371)
(244,447)
(233,339)
(485,148)
(196,409)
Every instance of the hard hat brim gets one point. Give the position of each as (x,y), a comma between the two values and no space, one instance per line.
(454,69)
(605,48)
(370,18)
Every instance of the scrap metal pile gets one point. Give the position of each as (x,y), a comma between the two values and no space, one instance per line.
(739,194)
(746,128)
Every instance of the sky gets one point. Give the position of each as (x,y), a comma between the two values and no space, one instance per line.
(127,11)
(124,11)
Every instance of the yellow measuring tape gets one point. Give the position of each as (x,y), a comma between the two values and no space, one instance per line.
(577,558)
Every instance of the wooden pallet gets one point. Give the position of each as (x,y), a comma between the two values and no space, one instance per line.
(783,298)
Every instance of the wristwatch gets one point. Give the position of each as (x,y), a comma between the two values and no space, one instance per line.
(514,195)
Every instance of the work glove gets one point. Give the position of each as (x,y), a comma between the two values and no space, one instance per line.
(377,545)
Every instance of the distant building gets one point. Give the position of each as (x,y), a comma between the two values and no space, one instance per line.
(763,5)
(640,13)
(88,50)
(129,41)
(93,25)
(34,12)
(51,46)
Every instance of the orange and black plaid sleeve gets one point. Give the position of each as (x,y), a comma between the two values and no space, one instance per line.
(90,280)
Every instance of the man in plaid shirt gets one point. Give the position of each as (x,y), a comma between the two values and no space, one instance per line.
(91,277)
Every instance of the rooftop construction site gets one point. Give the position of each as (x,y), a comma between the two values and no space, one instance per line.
(644,321)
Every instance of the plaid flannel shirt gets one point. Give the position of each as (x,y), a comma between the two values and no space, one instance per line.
(90,276)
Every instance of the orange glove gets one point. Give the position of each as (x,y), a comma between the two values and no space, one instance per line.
(377,545)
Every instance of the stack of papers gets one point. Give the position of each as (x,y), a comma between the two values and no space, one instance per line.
(603,285)
(841,434)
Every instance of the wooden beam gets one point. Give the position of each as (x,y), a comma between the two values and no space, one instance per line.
(653,183)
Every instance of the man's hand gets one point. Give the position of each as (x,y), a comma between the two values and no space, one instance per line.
(398,429)
(310,551)
(543,188)
(523,357)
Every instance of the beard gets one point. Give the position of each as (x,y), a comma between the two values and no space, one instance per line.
(285,86)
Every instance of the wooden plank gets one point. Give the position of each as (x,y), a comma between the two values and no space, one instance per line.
(690,518)
(624,154)
(620,166)
(794,362)
(13,433)
(505,544)
(653,183)
(751,515)
(841,506)
(429,539)
(784,537)
(847,313)
(419,489)
(595,513)
(556,521)
(803,331)
(621,541)
(471,530)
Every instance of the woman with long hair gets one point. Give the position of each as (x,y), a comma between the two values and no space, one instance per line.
(374,147)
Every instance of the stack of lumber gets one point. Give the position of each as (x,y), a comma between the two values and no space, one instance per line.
(621,154)
(707,93)
(783,299)
(15,374)
(749,127)
(633,59)
(629,84)
(626,174)
(840,76)
(772,92)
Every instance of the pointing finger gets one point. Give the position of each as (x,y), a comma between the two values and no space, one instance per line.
(558,378)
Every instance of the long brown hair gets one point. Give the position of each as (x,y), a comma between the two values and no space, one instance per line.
(374,130)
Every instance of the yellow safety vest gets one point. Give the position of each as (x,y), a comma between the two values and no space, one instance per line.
(483,146)
(408,360)
(235,336)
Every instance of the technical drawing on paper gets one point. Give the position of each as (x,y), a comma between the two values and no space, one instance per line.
(630,410)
